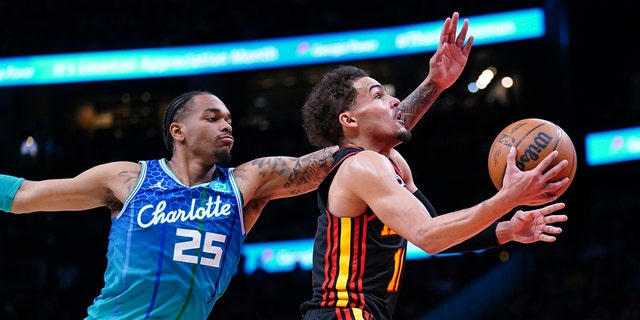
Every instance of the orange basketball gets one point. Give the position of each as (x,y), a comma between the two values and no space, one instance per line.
(534,139)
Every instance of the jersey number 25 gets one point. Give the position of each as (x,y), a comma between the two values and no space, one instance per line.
(208,247)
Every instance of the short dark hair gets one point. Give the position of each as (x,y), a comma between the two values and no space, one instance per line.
(173,112)
(331,96)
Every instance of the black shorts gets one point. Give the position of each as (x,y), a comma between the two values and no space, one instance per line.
(337,314)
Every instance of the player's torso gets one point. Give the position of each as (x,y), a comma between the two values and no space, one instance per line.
(358,262)
(173,249)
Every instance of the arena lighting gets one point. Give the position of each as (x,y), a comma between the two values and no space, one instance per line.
(289,255)
(261,54)
(612,146)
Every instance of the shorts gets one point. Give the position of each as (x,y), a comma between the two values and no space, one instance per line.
(337,314)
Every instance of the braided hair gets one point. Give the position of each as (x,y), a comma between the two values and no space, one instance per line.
(174,111)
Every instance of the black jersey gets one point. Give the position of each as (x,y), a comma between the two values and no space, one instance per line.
(358,262)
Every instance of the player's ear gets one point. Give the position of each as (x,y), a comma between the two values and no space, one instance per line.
(347,120)
(176,131)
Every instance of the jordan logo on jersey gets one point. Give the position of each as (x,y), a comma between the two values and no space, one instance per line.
(158,185)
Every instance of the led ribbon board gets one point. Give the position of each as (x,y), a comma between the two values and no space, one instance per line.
(612,146)
(261,54)
(286,256)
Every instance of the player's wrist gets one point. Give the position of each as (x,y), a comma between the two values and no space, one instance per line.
(503,232)
(9,186)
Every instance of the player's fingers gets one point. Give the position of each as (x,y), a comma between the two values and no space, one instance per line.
(546,238)
(552,230)
(552,208)
(467,47)
(555,218)
(444,34)
(463,33)
(453,28)
(543,166)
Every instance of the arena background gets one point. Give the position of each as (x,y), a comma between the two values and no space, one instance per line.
(583,75)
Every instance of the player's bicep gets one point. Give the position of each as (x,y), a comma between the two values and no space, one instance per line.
(392,203)
(264,178)
(90,189)
(282,177)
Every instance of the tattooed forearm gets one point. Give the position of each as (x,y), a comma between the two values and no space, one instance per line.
(309,170)
(415,105)
(271,165)
(271,178)
(291,175)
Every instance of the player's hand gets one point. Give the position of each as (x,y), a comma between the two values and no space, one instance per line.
(447,63)
(535,186)
(536,225)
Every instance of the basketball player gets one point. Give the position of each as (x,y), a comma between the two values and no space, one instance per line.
(178,225)
(370,206)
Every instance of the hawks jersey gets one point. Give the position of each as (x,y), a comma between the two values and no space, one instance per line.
(172,248)
(357,261)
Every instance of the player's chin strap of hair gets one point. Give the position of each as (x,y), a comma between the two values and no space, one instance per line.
(8,188)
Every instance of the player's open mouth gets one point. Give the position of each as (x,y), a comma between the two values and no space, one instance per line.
(399,118)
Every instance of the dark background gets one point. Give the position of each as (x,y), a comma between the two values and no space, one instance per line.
(583,75)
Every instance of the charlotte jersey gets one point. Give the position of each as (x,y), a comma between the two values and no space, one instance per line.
(173,249)
(357,262)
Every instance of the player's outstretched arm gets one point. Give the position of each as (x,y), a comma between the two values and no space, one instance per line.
(99,186)
(445,67)
(268,178)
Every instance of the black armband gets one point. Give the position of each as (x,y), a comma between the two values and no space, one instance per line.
(486,239)
(432,211)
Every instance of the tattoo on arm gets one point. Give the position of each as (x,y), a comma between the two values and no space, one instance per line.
(309,170)
(299,175)
(415,105)
(130,178)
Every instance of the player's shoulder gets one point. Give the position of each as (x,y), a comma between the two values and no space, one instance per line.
(366,162)
(130,165)
(117,167)
(369,155)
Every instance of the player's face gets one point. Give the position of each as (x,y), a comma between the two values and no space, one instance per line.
(377,113)
(208,132)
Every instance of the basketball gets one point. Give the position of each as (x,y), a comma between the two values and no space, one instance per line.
(534,139)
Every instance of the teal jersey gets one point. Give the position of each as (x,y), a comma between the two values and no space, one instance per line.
(172,249)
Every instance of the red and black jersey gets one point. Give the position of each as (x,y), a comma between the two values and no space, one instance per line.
(357,262)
